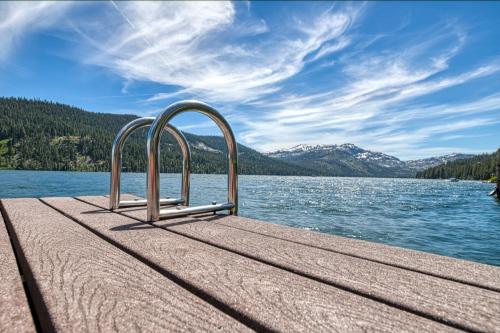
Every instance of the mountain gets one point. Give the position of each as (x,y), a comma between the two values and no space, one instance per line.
(344,160)
(350,160)
(478,167)
(426,163)
(40,135)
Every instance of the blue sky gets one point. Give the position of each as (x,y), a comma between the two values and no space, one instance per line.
(409,79)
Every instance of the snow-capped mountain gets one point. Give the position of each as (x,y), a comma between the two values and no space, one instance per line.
(350,160)
(344,160)
(425,163)
(349,148)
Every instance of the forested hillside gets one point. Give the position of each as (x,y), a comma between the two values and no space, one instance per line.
(478,168)
(40,135)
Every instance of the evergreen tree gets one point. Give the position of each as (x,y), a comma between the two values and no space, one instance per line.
(42,135)
(476,168)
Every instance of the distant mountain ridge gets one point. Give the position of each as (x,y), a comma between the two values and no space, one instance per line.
(344,160)
(478,167)
(430,162)
(350,160)
(41,135)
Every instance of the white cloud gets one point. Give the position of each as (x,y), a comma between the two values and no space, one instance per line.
(201,125)
(167,96)
(328,49)
(198,48)
(377,108)
(18,19)
(371,90)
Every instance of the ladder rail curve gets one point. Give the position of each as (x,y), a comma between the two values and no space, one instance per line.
(153,147)
(116,161)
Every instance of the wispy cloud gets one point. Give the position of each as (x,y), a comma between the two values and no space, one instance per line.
(316,77)
(199,48)
(204,124)
(18,19)
(378,107)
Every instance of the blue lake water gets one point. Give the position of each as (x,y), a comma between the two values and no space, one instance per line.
(453,219)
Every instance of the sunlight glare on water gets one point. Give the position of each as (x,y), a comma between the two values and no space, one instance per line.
(453,219)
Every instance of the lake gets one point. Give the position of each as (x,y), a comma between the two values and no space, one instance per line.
(453,219)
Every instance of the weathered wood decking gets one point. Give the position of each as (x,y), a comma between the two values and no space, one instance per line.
(88,269)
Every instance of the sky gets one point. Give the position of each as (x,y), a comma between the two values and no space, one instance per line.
(410,79)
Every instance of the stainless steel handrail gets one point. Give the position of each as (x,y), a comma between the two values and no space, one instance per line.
(153,171)
(116,164)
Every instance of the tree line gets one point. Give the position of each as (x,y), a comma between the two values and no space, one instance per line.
(42,135)
(479,167)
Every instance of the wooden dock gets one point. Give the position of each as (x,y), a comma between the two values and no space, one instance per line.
(71,265)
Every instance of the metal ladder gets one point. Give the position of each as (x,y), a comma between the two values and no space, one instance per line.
(153,202)
(116,164)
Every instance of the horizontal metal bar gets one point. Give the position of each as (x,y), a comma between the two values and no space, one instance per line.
(144,202)
(179,211)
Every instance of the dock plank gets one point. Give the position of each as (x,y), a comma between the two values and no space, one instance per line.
(468,272)
(279,300)
(15,313)
(477,274)
(84,284)
(461,305)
